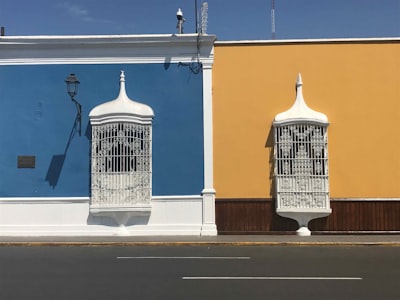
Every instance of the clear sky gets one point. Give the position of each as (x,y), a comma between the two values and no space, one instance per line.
(228,19)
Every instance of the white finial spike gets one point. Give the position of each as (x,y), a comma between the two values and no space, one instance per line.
(299,81)
(299,89)
(122,91)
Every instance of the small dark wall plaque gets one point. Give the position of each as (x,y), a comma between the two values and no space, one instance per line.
(26,161)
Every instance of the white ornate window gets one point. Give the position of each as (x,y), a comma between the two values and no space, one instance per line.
(121,154)
(301,163)
(121,164)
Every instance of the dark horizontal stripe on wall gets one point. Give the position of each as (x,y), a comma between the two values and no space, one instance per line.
(347,215)
(258,216)
(254,216)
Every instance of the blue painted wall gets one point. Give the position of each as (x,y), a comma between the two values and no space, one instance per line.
(37,118)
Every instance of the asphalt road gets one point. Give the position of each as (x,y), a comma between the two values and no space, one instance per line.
(199,272)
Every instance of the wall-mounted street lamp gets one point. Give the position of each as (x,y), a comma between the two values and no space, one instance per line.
(72,89)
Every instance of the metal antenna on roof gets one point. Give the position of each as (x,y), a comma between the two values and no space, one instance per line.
(273,19)
(196,16)
(204,17)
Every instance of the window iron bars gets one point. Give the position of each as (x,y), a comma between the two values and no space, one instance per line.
(301,166)
(121,164)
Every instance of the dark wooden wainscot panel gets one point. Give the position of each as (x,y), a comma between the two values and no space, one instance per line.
(258,216)
(358,215)
(255,216)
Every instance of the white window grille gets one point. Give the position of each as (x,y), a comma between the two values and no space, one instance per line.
(121,155)
(301,166)
(121,164)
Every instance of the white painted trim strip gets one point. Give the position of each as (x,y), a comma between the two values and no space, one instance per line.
(178,197)
(102,60)
(112,38)
(309,41)
(43,200)
(272,278)
(55,200)
(184,257)
(363,199)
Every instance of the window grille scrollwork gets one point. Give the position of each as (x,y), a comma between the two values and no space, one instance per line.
(301,165)
(121,164)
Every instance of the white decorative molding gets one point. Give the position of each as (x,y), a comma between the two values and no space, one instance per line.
(310,41)
(106,49)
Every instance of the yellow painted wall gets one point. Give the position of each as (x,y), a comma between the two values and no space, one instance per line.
(357,85)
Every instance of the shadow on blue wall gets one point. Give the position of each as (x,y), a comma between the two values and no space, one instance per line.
(57,161)
(167,63)
(54,171)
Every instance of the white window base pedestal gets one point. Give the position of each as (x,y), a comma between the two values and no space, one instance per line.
(121,215)
(303,217)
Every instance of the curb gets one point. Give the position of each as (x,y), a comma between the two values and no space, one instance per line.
(133,243)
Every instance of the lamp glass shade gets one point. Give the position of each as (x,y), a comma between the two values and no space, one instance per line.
(72,85)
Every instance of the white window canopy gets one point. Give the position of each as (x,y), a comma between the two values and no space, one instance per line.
(300,112)
(121,171)
(121,109)
(301,163)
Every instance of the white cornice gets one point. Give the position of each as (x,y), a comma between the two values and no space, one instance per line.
(103,39)
(309,41)
(166,48)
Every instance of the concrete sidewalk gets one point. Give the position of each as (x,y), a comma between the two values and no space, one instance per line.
(223,240)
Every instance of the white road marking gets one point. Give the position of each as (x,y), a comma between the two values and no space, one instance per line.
(183,257)
(271,278)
